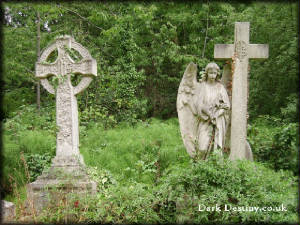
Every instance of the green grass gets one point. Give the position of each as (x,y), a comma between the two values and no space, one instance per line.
(120,149)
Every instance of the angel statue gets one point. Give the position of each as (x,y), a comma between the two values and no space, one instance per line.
(203,111)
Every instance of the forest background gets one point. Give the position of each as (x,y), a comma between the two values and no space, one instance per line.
(142,50)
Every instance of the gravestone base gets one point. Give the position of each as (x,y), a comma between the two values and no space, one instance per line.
(65,178)
(8,211)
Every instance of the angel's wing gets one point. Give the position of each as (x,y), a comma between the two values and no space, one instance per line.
(187,85)
(185,108)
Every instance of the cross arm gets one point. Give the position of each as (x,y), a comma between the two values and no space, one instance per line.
(258,51)
(88,68)
(223,51)
(85,67)
(43,70)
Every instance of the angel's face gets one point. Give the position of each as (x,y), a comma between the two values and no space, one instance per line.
(212,74)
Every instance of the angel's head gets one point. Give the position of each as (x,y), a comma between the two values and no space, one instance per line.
(212,68)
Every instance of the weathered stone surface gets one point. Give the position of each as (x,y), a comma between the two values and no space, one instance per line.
(57,185)
(241,51)
(67,173)
(202,111)
(8,211)
(227,82)
(66,103)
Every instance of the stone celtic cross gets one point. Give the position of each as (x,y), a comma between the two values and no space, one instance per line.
(67,140)
(241,51)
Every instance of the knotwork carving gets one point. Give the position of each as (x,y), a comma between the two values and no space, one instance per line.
(64,64)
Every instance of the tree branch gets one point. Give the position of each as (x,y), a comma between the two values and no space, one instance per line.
(81,17)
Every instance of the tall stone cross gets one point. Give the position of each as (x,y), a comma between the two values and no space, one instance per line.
(67,140)
(241,51)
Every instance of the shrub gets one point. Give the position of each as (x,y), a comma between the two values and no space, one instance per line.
(27,118)
(221,182)
(38,142)
(275,143)
(37,163)
(291,111)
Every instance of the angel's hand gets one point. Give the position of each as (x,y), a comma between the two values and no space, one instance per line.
(201,116)
(205,117)
(213,121)
(213,117)
(219,113)
(206,111)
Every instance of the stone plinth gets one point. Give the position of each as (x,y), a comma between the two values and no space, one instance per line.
(8,211)
(64,178)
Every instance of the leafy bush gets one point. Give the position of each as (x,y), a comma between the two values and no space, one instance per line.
(275,143)
(37,163)
(291,112)
(102,177)
(15,98)
(221,182)
(284,151)
(27,118)
(38,148)
(38,142)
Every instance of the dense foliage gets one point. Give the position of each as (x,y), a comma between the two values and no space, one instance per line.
(143,48)
(275,143)
(139,162)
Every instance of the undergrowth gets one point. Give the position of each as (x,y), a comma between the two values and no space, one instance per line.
(177,196)
(144,174)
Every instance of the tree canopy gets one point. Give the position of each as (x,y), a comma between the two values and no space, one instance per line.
(143,48)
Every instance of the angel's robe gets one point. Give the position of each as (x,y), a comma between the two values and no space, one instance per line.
(210,99)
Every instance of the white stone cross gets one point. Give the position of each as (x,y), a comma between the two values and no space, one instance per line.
(241,51)
(67,140)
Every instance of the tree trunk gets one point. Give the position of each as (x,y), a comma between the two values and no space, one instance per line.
(38,96)
(205,39)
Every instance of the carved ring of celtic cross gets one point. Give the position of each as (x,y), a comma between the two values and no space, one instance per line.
(64,64)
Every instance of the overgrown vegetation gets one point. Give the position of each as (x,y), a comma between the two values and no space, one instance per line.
(144,174)
(129,132)
(183,187)
(275,143)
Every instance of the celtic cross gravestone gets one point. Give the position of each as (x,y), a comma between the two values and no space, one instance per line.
(68,159)
(241,51)
(66,103)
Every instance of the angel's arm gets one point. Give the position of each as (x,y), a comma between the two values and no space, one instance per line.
(224,103)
